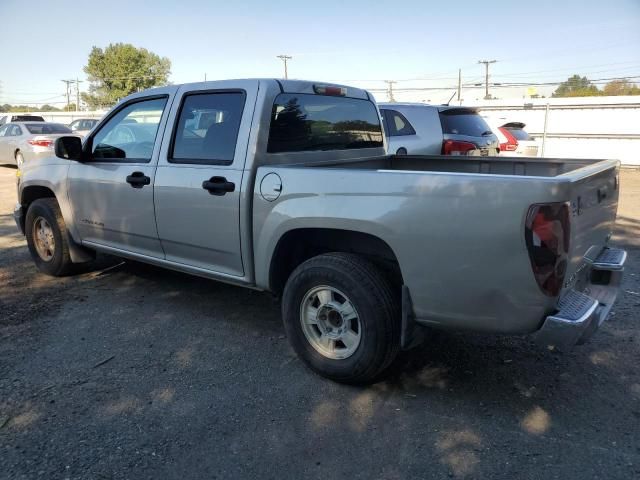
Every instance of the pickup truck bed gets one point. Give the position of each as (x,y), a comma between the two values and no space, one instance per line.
(456,226)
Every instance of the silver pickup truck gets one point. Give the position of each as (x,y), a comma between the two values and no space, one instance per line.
(286,187)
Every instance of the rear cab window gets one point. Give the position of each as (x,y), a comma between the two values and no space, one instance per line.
(462,121)
(308,122)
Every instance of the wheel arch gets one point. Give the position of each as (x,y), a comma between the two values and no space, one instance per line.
(297,245)
(31,193)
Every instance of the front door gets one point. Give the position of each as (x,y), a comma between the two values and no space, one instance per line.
(197,186)
(112,191)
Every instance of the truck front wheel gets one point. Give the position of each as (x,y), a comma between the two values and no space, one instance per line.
(47,237)
(342,317)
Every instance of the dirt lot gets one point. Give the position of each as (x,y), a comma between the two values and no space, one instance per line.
(129,371)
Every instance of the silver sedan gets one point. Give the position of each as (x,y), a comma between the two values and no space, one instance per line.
(24,141)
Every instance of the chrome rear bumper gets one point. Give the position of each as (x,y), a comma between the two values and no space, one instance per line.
(580,313)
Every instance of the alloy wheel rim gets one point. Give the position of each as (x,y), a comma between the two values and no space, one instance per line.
(44,239)
(330,322)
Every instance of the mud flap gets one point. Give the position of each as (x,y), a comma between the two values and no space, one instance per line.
(411,334)
(78,253)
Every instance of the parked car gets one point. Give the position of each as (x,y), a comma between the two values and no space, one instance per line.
(514,140)
(20,118)
(419,129)
(290,190)
(20,141)
(82,126)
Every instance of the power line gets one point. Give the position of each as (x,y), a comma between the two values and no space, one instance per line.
(597,81)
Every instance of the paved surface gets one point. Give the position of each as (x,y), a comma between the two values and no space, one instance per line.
(135,372)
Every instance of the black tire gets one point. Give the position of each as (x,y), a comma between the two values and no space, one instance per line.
(374,300)
(60,264)
(401,151)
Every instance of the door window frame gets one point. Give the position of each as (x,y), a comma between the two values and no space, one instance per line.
(88,144)
(13,128)
(176,122)
(388,117)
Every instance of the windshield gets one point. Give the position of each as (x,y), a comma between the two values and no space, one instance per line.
(519,134)
(45,128)
(306,122)
(464,122)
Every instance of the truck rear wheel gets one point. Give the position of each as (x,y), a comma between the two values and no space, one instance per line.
(46,235)
(341,317)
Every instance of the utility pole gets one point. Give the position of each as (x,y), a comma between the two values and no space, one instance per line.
(390,89)
(486,76)
(67,83)
(77,94)
(284,58)
(459,85)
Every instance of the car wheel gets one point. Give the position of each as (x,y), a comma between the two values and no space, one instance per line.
(19,159)
(342,317)
(47,237)
(401,151)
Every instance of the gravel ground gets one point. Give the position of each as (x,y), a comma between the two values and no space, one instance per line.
(129,371)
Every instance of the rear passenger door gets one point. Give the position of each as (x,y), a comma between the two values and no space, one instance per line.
(199,176)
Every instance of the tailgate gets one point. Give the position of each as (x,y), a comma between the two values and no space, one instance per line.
(594,202)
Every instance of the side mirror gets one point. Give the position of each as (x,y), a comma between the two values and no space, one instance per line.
(69,148)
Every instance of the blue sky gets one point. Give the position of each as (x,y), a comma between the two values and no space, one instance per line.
(356,42)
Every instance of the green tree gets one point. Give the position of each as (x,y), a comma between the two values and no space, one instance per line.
(621,87)
(48,108)
(577,86)
(27,108)
(121,69)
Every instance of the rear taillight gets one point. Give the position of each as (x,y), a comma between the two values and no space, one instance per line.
(454,147)
(512,143)
(44,142)
(547,234)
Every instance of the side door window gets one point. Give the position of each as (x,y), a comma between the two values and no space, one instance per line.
(129,135)
(207,128)
(397,124)
(14,131)
(3,130)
